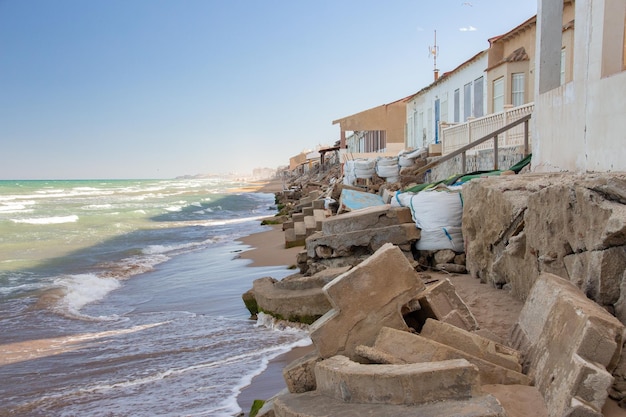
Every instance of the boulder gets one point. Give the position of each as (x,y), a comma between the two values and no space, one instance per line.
(440,301)
(413,348)
(570,344)
(365,299)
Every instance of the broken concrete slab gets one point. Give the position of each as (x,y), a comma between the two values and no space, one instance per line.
(365,299)
(571,345)
(312,404)
(346,244)
(413,348)
(299,375)
(300,282)
(440,301)
(340,378)
(367,218)
(303,306)
(473,344)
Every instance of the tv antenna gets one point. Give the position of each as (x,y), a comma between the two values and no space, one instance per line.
(434,52)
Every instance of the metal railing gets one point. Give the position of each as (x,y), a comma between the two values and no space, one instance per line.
(456,136)
(493,135)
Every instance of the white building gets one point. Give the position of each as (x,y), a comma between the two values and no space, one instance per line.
(454,97)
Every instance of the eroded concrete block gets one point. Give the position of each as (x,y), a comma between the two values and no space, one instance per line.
(367,218)
(473,344)
(413,348)
(340,378)
(440,301)
(312,404)
(365,299)
(570,345)
(299,375)
(350,243)
(300,306)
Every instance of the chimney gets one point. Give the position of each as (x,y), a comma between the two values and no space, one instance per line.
(436,74)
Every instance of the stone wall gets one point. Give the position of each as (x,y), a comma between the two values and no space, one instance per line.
(571,225)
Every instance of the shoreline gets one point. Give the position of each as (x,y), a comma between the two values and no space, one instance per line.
(268,249)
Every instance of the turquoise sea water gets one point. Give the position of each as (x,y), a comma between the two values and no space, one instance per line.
(123,298)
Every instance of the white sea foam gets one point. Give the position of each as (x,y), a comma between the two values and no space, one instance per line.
(48,220)
(83,289)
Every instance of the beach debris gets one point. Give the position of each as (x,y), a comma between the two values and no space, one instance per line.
(296,298)
(360,233)
(440,301)
(354,200)
(414,348)
(570,345)
(345,387)
(299,375)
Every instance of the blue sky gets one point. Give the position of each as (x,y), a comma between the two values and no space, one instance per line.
(158,89)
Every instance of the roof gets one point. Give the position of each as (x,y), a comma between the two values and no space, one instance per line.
(405,99)
(515,31)
(517,55)
(447,74)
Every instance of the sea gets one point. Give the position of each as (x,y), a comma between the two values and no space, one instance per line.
(123,298)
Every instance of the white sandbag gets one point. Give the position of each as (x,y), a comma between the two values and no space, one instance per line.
(392,180)
(400,199)
(441,238)
(385,171)
(349,177)
(364,168)
(387,161)
(404,162)
(364,163)
(434,209)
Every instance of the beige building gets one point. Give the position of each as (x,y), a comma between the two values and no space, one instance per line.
(511,62)
(377,130)
(579,124)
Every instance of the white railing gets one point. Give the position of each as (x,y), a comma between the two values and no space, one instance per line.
(459,135)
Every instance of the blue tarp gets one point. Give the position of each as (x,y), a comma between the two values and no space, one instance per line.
(355,200)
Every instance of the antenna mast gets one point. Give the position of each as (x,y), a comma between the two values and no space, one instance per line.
(434,51)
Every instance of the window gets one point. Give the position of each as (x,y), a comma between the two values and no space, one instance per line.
(421,134)
(498,95)
(517,89)
(563,65)
(429,125)
(614,37)
(457,106)
(444,109)
(478,97)
(467,101)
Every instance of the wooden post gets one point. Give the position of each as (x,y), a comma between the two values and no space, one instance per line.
(463,163)
(526,138)
(495,152)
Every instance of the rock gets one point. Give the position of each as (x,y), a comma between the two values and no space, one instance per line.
(417,383)
(312,404)
(570,345)
(360,241)
(444,256)
(473,344)
(304,306)
(441,302)
(367,218)
(365,299)
(299,375)
(413,348)
(454,268)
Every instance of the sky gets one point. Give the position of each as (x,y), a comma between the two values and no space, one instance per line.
(119,89)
